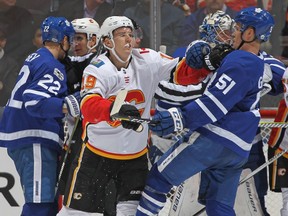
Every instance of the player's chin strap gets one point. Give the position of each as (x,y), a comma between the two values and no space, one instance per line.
(243,41)
(65,51)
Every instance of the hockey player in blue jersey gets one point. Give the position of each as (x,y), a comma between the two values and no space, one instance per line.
(31,127)
(224,120)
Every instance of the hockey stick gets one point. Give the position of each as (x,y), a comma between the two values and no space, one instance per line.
(114,114)
(66,153)
(271,160)
(273,124)
(119,101)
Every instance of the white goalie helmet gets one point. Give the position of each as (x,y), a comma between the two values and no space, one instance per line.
(114,22)
(215,26)
(86,25)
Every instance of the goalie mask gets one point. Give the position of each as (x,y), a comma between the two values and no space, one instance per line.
(261,20)
(216,28)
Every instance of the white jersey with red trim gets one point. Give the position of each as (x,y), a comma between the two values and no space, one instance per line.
(145,70)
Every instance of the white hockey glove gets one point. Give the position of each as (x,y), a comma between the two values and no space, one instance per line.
(71,104)
(169,121)
(267,77)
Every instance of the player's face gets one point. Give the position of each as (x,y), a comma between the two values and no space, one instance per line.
(237,36)
(37,40)
(224,36)
(80,44)
(124,40)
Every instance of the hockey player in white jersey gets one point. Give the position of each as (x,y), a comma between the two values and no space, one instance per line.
(224,121)
(31,127)
(113,149)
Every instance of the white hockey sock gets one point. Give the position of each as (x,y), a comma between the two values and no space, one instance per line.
(65,211)
(127,208)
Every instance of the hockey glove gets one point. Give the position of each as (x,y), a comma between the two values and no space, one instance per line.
(267,80)
(213,60)
(129,110)
(169,121)
(71,103)
(195,53)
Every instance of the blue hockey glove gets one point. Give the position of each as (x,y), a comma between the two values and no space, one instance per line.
(195,53)
(169,121)
(71,103)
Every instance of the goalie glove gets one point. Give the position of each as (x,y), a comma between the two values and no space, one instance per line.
(169,121)
(195,53)
(213,60)
(71,104)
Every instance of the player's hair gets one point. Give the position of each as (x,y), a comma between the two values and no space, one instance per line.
(213,24)
(261,20)
(86,25)
(55,28)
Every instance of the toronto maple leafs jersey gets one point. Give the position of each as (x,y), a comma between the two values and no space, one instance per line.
(278,72)
(102,79)
(228,111)
(33,113)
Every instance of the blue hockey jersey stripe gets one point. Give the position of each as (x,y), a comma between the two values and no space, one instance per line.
(30,91)
(216,101)
(229,136)
(206,110)
(29,133)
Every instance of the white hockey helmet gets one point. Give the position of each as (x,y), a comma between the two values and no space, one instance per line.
(86,25)
(114,22)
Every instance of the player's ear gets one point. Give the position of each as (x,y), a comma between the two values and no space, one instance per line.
(108,42)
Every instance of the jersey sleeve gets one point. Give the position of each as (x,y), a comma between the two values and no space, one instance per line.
(182,74)
(94,105)
(278,72)
(44,95)
(230,90)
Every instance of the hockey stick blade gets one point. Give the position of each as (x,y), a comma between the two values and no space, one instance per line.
(119,100)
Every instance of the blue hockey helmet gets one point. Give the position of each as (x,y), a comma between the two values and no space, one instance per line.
(55,28)
(261,20)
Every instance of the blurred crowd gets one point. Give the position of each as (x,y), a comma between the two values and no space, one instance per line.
(20,25)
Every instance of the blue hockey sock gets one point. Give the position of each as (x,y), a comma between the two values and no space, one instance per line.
(40,209)
(218,209)
(154,195)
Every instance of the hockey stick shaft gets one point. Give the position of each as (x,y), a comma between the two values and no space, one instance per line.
(271,160)
(273,124)
(67,152)
(136,119)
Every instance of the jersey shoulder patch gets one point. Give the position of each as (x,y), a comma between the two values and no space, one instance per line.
(97,63)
